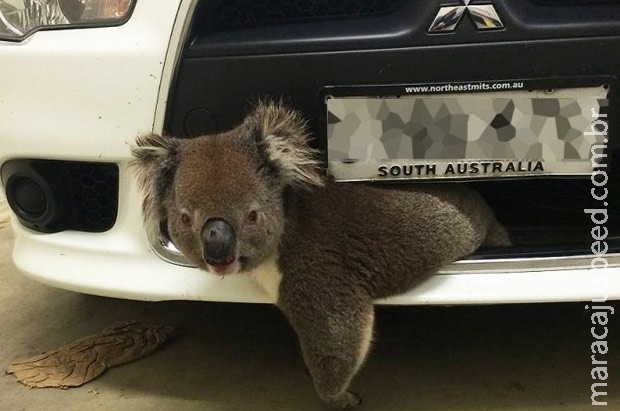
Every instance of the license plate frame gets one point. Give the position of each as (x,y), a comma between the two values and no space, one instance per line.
(464,131)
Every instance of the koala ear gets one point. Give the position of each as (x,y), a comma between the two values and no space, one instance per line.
(155,161)
(282,134)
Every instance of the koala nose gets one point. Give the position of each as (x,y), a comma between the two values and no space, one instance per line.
(219,242)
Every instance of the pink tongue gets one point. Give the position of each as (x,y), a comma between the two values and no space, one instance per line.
(220,269)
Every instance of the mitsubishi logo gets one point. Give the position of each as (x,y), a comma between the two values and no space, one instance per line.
(483,16)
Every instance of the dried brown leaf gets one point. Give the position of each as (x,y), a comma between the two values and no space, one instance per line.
(85,359)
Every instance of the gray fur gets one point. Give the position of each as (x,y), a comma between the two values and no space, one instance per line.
(338,246)
(155,160)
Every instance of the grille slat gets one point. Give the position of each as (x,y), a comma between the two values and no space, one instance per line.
(240,14)
(576,2)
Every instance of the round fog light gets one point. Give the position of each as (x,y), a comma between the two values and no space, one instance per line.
(27,198)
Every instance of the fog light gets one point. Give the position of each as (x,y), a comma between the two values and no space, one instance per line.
(28,198)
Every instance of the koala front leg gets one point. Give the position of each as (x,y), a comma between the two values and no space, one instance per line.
(334,323)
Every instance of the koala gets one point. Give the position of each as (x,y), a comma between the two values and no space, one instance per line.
(254,201)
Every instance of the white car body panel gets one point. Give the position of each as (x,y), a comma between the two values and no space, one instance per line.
(84,94)
(117,267)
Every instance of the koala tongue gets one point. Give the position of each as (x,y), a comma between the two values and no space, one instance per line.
(225,269)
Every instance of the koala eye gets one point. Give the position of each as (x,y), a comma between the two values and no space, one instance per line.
(252,216)
(185,218)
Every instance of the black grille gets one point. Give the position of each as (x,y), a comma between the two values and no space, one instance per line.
(236,14)
(93,192)
(575,2)
(555,206)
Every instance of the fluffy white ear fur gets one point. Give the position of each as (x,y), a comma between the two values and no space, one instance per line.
(154,161)
(286,142)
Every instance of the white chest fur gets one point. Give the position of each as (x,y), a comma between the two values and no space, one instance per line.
(268,276)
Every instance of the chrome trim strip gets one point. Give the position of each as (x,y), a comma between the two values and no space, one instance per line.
(166,250)
(178,37)
(506,265)
(162,246)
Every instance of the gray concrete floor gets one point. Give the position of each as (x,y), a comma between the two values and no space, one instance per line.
(245,357)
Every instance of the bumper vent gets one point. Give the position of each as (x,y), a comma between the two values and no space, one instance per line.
(51,196)
(94,195)
(237,14)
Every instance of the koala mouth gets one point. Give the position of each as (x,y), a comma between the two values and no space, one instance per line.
(230,265)
(224,262)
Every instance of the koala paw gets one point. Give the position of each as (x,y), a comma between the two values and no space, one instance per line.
(347,399)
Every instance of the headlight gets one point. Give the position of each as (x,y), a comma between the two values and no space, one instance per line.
(19,18)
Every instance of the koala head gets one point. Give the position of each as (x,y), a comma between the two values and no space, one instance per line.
(220,196)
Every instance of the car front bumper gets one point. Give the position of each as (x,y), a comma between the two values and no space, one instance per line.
(84,95)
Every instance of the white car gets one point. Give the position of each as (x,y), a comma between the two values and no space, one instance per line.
(517,97)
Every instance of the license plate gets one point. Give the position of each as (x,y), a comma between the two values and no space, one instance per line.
(466,135)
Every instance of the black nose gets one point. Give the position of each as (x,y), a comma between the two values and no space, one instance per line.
(219,242)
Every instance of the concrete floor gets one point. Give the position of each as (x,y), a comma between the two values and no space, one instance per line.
(245,357)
